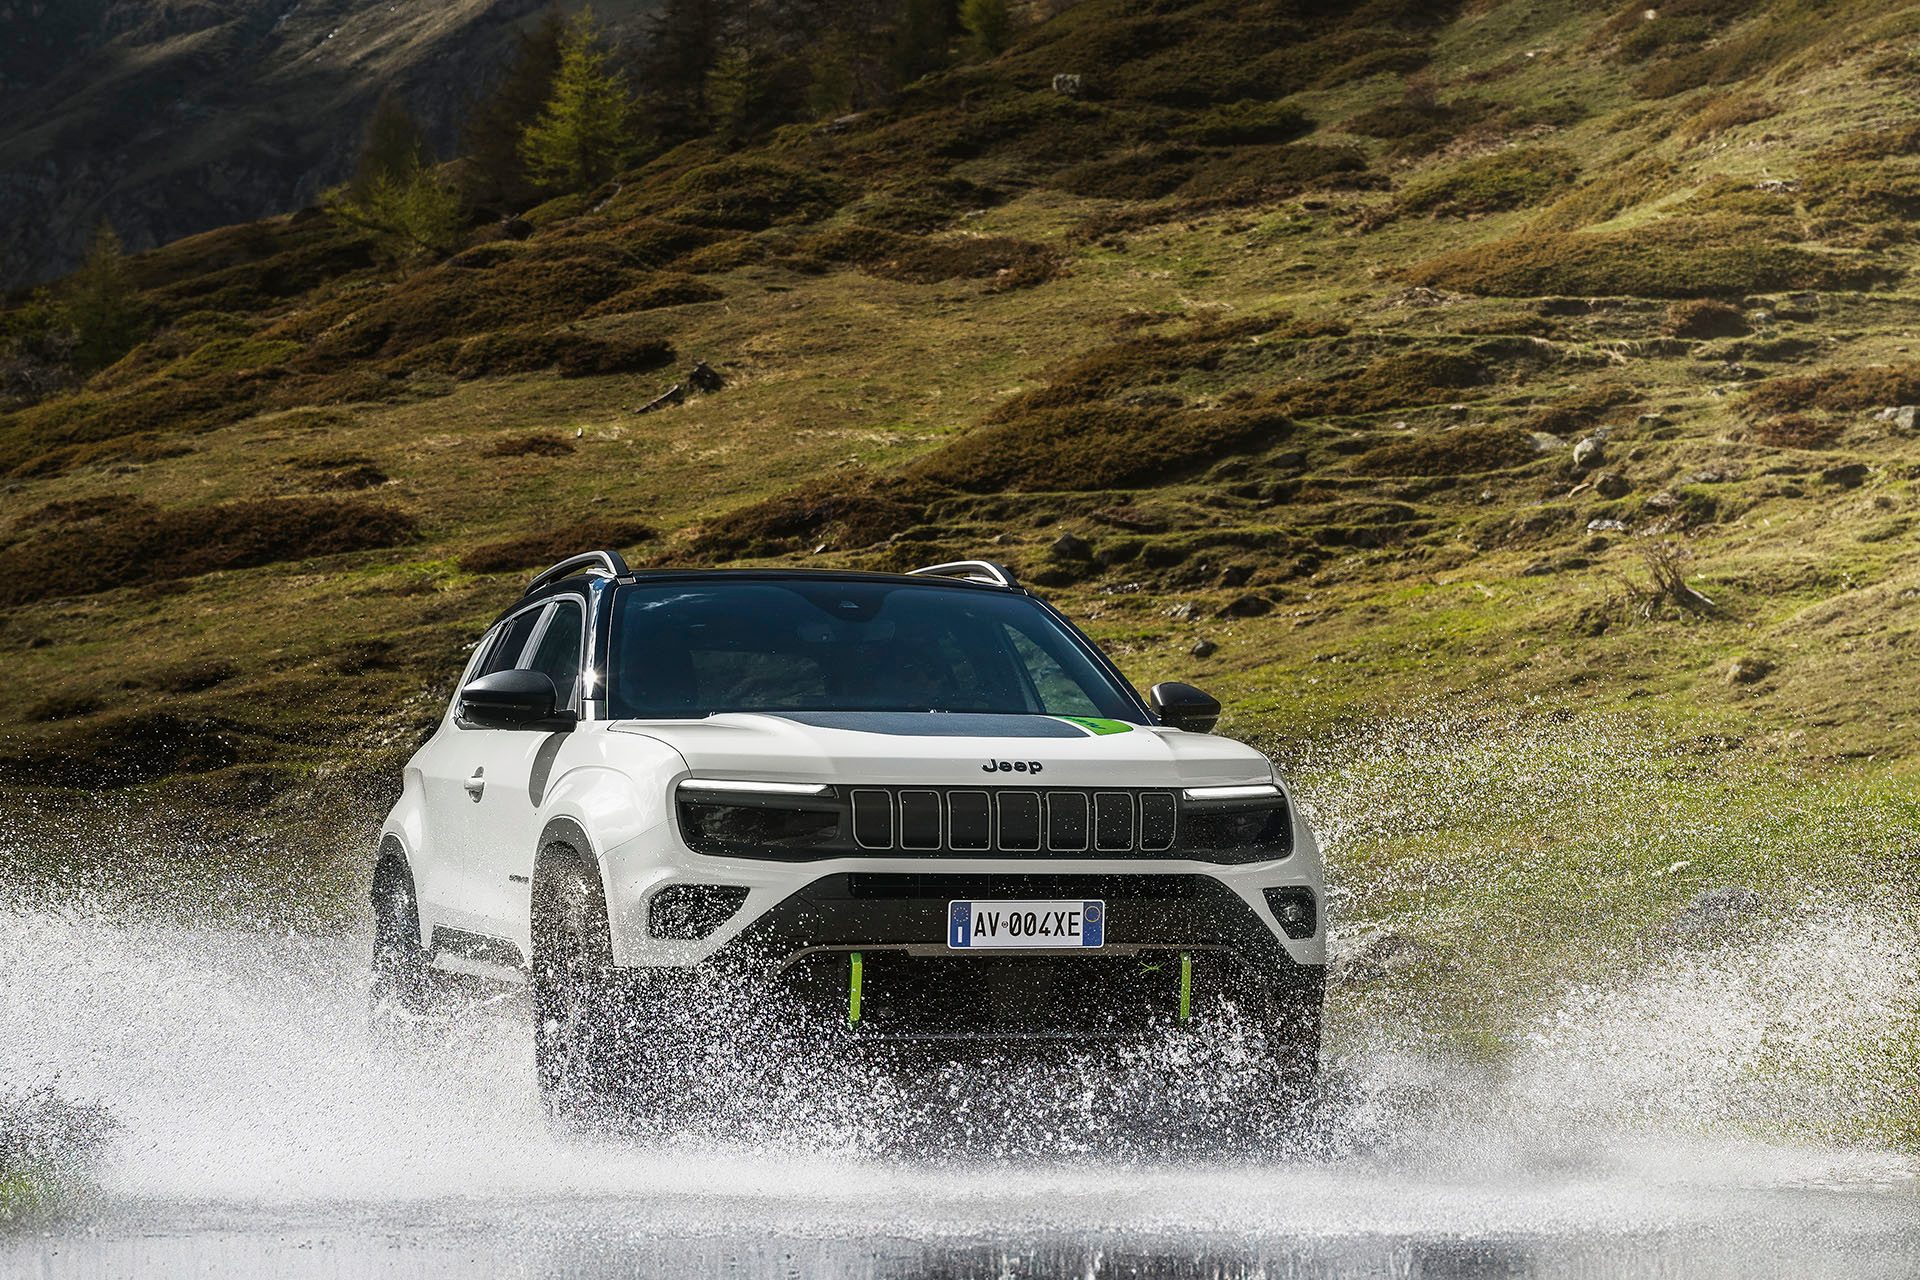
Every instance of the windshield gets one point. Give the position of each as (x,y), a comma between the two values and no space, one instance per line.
(696,648)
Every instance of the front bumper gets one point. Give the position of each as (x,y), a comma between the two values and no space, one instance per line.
(864,952)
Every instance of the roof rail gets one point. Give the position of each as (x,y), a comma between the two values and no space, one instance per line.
(608,562)
(972,571)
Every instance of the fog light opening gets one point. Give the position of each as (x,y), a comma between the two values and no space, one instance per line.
(692,912)
(1294,910)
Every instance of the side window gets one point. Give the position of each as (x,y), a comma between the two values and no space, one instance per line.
(558,653)
(513,642)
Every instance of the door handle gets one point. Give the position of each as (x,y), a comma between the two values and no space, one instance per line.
(477,783)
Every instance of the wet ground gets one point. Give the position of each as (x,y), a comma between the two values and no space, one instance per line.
(257,1127)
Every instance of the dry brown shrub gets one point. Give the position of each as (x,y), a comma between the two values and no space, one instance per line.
(1465,451)
(147,544)
(1795,431)
(553,544)
(529,446)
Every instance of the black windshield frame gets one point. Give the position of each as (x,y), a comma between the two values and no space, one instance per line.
(641,656)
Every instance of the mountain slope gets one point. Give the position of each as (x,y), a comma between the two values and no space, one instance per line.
(169,119)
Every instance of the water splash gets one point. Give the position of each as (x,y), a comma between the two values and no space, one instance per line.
(1712,1100)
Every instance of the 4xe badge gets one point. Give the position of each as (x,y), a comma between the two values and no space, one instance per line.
(1011,766)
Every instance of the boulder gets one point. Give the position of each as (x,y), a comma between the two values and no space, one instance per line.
(1204,648)
(1590,452)
(1069,547)
(1611,484)
(1748,670)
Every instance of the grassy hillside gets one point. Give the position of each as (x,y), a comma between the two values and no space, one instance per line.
(1504,380)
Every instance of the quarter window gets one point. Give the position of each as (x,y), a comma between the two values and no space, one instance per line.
(513,642)
(558,653)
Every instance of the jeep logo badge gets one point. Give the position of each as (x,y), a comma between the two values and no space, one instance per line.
(1011,766)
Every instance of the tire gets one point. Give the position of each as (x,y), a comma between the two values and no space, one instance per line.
(400,971)
(599,1057)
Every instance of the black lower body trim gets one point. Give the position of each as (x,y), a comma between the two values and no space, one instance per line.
(477,946)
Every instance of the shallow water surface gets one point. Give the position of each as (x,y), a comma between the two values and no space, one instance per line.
(259,1128)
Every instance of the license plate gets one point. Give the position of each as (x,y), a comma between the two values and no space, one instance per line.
(976,925)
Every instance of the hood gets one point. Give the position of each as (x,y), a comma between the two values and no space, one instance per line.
(951,749)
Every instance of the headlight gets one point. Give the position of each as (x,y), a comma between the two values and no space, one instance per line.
(759,819)
(1235,824)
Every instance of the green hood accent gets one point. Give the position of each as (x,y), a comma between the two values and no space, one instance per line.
(1096,726)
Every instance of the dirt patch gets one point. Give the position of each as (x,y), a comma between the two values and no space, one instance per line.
(553,544)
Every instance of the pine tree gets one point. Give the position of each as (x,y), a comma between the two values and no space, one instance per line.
(685,41)
(920,38)
(988,24)
(731,93)
(585,133)
(101,304)
(393,150)
(492,168)
(832,79)
(395,192)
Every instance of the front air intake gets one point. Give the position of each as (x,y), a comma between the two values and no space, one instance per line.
(691,912)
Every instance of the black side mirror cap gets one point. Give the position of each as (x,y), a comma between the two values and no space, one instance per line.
(1184,707)
(515,699)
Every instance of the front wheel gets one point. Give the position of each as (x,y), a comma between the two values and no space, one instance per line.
(599,1057)
(400,961)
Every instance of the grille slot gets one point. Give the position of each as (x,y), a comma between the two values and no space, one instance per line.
(920,820)
(969,821)
(1067,822)
(1020,821)
(873,819)
(1157,819)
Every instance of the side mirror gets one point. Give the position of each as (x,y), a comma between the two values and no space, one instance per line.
(514,700)
(1184,707)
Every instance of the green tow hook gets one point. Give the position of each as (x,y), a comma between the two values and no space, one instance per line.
(1186,985)
(853,990)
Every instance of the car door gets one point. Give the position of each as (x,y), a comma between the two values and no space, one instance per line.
(512,771)
(451,881)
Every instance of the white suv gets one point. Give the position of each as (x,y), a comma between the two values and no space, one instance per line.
(901,807)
